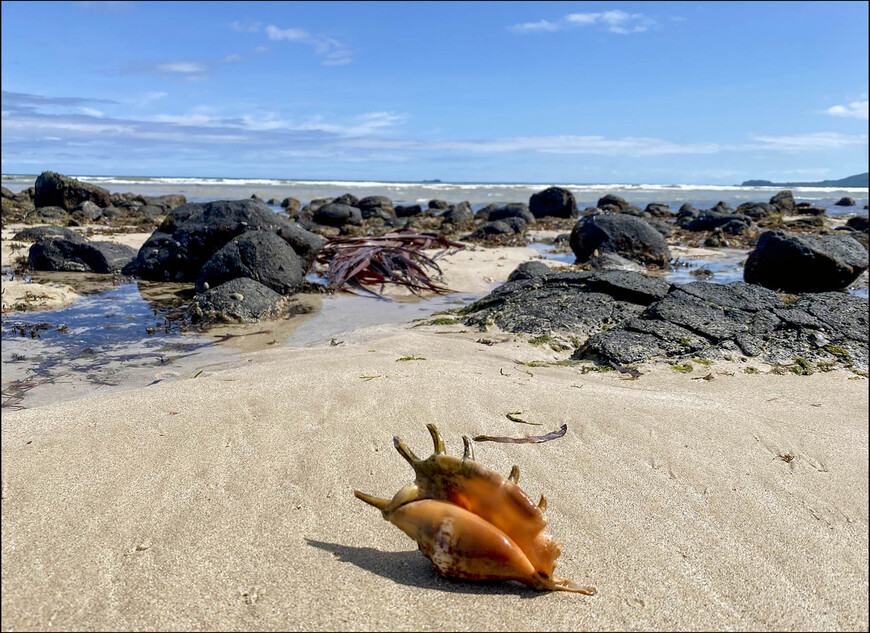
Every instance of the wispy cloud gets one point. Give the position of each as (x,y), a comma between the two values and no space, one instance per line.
(333,52)
(853,110)
(809,142)
(245,27)
(557,144)
(34,125)
(182,70)
(108,6)
(23,99)
(616,21)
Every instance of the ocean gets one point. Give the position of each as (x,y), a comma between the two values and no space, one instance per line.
(477,194)
(124,337)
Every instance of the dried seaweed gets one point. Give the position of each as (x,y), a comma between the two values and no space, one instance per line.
(529,439)
(393,258)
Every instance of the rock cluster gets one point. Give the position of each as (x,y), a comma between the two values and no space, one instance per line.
(626,317)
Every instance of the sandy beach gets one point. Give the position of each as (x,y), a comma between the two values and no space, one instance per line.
(226,501)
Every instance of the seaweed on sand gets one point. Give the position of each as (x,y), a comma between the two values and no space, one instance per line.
(393,258)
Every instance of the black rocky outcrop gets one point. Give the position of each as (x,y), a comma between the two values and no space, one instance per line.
(193,232)
(77,255)
(625,235)
(578,303)
(57,190)
(240,300)
(259,255)
(553,202)
(805,263)
(624,317)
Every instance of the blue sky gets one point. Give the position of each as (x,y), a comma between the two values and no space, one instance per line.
(561,92)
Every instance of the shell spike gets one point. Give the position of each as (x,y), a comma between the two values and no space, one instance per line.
(377,502)
(436,439)
(468,453)
(405,452)
(563,584)
(515,474)
(542,504)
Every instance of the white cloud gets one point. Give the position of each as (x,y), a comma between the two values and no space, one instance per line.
(245,27)
(854,110)
(196,118)
(809,142)
(334,53)
(92,112)
(615,21)
(531,27)
(184,68)
(148,97)
(557,144)
(360,125)
(232,57)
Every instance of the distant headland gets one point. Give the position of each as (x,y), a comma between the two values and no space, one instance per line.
(858,180)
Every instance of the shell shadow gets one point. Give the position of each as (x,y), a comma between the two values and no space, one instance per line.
(412,569)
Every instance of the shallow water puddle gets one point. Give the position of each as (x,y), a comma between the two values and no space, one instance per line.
(131,335)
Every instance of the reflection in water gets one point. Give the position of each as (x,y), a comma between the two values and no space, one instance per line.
(123,335)
(120,336)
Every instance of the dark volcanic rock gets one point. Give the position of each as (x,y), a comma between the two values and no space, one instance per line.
(845,202)
(194,232)
(658,210)
(87,210)
(407,211)
(805,208)
(438,204)
(613,202)
(711,320)
(553,201)
(304,242)
(783,201)
(335,214)
(756,210)
(511,210)
(625,235)
(530,270)
(507,226)
(858,223)
(57,190)
(59,254)
(291,205)
(241,300)
(612,261)
(797,263)
(47,215)
(36,233)
(709,220)
(458,213)
(259,255)
(348,198)
(377,207)
(579,303)
(629,317)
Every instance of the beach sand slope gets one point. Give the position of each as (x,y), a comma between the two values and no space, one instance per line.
(225,501)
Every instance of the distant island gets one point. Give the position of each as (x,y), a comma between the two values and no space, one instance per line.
(858,180)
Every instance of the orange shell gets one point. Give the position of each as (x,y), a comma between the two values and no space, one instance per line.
(473,523)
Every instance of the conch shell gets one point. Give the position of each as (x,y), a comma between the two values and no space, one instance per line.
(471,522)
